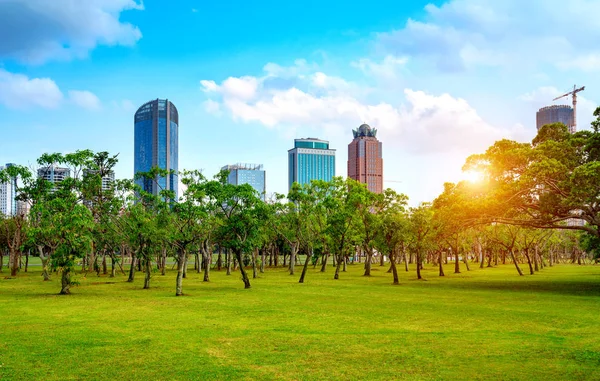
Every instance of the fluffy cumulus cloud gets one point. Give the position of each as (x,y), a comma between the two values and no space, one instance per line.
(462,34)
(421,123)
(85,99)
(64,29)
(18,91)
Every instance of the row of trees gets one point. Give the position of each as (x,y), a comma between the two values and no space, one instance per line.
(521,212)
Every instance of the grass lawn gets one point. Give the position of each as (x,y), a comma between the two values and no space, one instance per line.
(487,324)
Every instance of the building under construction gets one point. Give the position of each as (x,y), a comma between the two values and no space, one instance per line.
(555,114)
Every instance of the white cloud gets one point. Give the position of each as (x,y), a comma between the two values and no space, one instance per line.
(212,107)
(64,29)
(463,34)
(20,92)
(386,70)
(85,99)
(423,123)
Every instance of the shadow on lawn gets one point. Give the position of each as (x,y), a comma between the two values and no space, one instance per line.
(571,287)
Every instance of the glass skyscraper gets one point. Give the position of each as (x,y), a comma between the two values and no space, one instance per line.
(252,174)
(157,144)
(310,159)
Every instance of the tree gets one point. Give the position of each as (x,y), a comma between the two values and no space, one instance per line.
(393,231)
(421,232)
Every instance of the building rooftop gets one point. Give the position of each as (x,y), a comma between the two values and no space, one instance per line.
(365,131)
(245,166)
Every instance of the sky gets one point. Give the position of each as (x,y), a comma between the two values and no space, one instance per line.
(439,80)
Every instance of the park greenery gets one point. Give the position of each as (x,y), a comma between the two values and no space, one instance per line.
(536,204)
(322,261)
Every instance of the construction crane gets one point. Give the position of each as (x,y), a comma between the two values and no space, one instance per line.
(573,129)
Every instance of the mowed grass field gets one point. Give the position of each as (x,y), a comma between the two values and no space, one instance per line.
(486,324)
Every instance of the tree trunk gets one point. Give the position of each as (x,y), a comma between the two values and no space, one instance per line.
(245,279)
(393,266)
(466,260)
(163,267)
(65,282)
(512,256)
(369,259)
(148,272)
(254,267)
(535,260)
(262,260)
(456,263)
(418,259)
(207,262)
(337,267)
(185,266)
(220,259)
(526,252)
(198,261)
(27,260)
(405,260)
(179,279)
(132,269)
(381,260)
(45,259)
(441,263)
(294,249)
(228,258)
(324,264)
(304,269)
(14,262)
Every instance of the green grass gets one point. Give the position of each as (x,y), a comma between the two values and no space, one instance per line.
(485,324)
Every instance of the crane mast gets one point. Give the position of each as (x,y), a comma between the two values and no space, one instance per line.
(573,128)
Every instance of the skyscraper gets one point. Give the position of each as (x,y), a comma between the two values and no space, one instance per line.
(310,159)
(365,159)
(7,198)
(53,174)
(555,114)
(11,188)
(156,130)
(252,174)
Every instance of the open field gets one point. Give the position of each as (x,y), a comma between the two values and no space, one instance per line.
(486,324)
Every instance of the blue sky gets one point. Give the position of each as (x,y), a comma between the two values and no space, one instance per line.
(439,80)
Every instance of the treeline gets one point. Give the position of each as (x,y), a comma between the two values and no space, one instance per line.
(536,205)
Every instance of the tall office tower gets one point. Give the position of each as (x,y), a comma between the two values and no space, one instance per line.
(252,174)
(310,159)
(7,197)
(156,139)
(555,114)
(53,174)
(365,160)
(13,194)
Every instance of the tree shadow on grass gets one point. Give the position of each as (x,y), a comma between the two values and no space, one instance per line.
(571,287)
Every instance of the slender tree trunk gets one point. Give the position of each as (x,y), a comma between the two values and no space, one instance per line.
(394,269)
(132,269)
(254,267)
(294,252)
(207,262)
(441,263)
(26,260)
(337,268)
(148,272)
(198,261)
(324,264)
(456,263)
(262,260)
(418,259)
(535,260)
(369,259)
(466,260)
(345,264)
(65,281)
(45,259)
(304,268)
(185,266)
(163,267)
(512,256)
(245,279)
(220,259)
(526,252)
(14,262)
(405,261)
(179,280)
(228,257)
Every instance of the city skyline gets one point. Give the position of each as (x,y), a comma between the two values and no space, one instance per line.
(425,75)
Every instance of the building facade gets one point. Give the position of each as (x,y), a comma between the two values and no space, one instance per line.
(365,158)
(310,159)
(7,197)
(156,140)
(53,174)
(252,174)
(555,114)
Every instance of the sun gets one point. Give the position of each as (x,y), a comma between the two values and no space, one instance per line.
(472,176)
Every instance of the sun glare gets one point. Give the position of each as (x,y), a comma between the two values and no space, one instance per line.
(472,176)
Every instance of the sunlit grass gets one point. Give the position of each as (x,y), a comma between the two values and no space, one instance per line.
(485,324)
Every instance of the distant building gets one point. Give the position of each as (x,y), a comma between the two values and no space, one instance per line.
(7,197)
(310,159)
(23,208)
(106,184)
(13,191)
(365,158)
(53,174)
(252,174)
(555,114)
(156,144)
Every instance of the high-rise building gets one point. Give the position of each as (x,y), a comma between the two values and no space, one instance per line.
(156,130)
(555,114)
(310,159)
(365,159)
(7,197)
(53,174)
(252,174)
(23,208)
